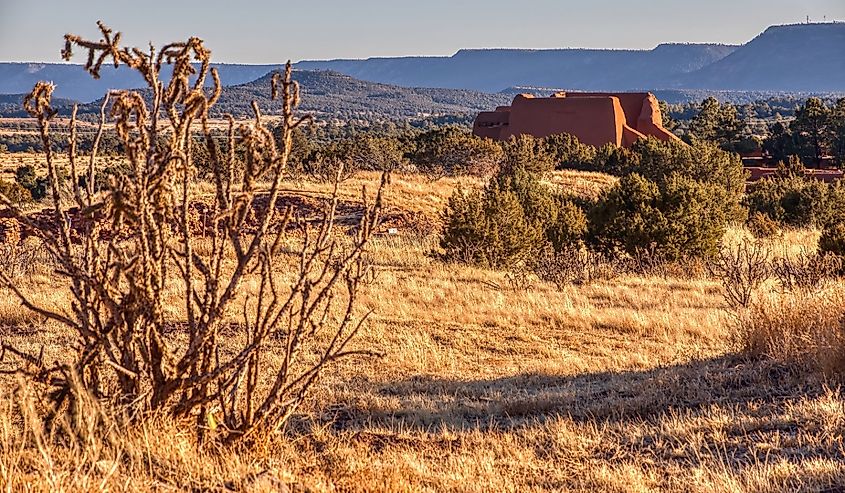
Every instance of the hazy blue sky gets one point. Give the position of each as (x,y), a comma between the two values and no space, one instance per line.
(271,31)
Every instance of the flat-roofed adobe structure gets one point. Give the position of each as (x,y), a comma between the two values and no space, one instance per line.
(594,118)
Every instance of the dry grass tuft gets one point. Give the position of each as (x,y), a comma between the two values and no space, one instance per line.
(586,184)
(798,327)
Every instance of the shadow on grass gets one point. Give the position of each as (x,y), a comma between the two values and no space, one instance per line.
(429,402)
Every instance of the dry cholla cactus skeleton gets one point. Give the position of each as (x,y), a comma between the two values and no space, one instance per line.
(125,347)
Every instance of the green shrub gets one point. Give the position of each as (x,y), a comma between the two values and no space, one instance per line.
(745,145)
(792,168)
(832,239)
(526,153)
(797,201)
(25,177)
(513,218)
(679,209)
(360,152)
(657,160)
(679,217)
(452,151)
(614,160)
(375,153)
(566,151)
(767,196)
(567,230)
(114,169)
(834,207)
(489,228)
(701,161)
(201,158)
(535,198)
(301,146)
(626,215)
(15,192)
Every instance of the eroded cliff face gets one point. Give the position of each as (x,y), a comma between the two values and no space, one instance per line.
(594,118)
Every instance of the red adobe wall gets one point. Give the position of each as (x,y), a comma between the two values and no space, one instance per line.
(594,118)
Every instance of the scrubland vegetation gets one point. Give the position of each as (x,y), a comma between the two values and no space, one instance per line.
(638,378)
(427,312)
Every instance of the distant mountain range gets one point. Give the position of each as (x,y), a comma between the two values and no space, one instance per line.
(805,58)
(498,69)
(72,82)
(801,57)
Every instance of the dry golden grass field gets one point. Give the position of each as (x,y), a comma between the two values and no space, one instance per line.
(487,383)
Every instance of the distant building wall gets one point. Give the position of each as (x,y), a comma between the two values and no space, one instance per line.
(594,118)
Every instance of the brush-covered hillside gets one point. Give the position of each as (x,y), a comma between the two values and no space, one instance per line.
(333,94)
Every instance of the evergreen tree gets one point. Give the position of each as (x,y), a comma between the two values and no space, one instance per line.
(719,123)
(837,123)
(813,129)
(781,143)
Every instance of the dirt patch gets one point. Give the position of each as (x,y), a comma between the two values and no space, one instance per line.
(306,208)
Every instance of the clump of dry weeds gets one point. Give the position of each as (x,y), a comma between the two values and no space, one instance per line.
(797,327)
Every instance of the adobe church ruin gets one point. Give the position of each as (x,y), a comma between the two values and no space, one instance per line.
(594,118)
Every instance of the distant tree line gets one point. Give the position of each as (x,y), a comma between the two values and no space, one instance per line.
(815,132)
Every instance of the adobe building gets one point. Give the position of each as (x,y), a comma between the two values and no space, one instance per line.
(594,118)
